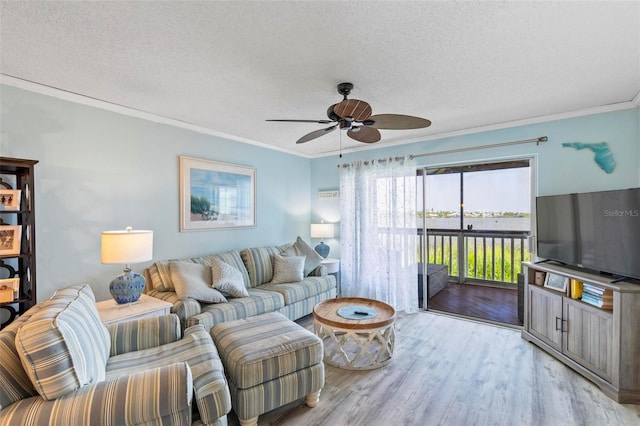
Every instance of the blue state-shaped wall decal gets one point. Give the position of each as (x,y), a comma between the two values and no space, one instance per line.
(603,155)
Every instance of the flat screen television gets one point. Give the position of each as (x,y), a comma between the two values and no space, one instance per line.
(599,231)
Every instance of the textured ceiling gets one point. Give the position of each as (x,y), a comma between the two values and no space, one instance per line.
(228,66)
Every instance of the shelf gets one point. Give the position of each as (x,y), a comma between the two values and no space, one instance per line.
(13,302)
(18,174)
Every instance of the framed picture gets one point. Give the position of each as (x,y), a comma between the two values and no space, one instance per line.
(9,199)
(10,239)
(556,282)
(12,283)
(216,195)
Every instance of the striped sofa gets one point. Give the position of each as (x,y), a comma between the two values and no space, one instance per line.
(294,300)
(59,365)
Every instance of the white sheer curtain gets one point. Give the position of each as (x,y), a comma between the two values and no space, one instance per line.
(378,235)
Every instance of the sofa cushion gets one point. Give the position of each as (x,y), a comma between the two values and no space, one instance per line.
(196,349)
(258,302)
(287,269)
(193,281)
(305,289)
(64,346)
(301,248)
(14,382)
(227,279)
(161,274)
(258,262)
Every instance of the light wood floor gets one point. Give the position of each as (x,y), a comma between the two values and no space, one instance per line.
(449,371)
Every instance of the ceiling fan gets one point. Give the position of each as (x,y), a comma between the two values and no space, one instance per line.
(355,117)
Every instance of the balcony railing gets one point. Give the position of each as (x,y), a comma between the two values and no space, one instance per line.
(487,256)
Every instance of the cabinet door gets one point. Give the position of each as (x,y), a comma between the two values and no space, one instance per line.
(588,337)
(545,316)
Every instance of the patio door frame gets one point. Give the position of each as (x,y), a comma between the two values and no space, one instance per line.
(461,277)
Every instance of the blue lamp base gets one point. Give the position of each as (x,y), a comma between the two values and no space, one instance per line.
(127,287)
(322,249)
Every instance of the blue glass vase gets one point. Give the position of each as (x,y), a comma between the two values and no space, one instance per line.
(127,287)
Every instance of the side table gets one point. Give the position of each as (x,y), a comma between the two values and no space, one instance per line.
(110,312)
(333,267)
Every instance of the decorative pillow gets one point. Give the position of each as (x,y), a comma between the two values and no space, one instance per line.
(227,279)
(193,281)
(258,262)
(312,258)
(161,276)
(287,269)
(64,345)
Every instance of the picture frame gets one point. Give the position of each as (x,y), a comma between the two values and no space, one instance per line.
(10,239)
(12,283)
(10,199)
(216,195)
(556,282)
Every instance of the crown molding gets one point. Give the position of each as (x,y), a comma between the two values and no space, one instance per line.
(132,112)
(128,111)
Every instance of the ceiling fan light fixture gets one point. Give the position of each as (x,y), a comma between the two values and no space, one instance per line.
(347,113)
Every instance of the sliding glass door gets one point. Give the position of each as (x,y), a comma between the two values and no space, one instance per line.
(476,219)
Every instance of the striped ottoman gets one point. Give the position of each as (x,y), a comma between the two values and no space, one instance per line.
(270,361)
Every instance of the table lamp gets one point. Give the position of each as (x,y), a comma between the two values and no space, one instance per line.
(322,230)
(127,247)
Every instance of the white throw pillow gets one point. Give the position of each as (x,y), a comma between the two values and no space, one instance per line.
(287,269)
(227,279)
(193,281)
(312,258)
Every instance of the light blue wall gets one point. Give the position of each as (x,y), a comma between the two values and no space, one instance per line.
(558,170)
(100,170)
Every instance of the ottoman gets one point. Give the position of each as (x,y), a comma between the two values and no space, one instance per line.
(270,361)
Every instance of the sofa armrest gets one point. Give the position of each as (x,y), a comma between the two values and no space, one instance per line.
(184,309)
(155,396)
(320,271)
(143,333)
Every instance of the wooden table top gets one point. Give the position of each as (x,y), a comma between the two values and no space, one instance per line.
(326,312)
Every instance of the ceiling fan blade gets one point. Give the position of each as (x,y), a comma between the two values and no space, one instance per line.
(359,110)
(305,121)
(316,134)
(397,122)
(364,134)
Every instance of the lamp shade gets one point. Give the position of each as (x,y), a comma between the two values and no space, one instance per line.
(322,230)
(127,246)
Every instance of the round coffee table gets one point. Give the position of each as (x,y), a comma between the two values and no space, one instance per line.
(364,343)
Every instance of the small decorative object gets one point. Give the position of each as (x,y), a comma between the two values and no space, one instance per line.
(12,283)
(216,195)
(603,156)
(10,199)
(576,289)
(127,247)
(10,238)
(540,277)
(322,230)
(556,282)
(356,312)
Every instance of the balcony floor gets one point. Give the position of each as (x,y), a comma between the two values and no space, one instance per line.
(485,303)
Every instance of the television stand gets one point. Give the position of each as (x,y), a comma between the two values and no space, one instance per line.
(599,341)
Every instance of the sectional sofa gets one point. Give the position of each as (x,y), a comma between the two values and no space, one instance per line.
(259,269)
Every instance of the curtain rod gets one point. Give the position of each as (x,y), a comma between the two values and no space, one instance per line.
(538,141)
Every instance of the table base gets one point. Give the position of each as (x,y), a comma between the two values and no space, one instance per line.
(356,349)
